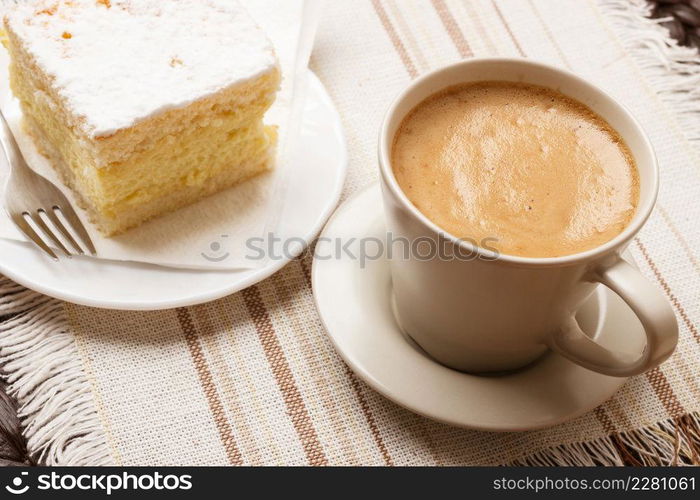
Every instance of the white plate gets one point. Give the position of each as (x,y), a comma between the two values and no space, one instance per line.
(355,306)
(313,190)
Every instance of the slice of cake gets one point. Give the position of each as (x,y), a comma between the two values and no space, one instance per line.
(144,106)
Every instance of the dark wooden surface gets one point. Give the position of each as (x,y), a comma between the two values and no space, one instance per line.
(683,24)
(683,19)
(13,447)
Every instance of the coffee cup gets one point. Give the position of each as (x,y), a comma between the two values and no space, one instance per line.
(476,310)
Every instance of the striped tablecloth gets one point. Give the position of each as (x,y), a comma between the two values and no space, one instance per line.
(253,379)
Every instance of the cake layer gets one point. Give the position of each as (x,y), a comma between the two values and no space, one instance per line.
(134,215)
(233,162)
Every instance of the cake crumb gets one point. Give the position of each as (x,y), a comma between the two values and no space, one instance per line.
(106,3)
(67,35)
(47,12)
(176,61)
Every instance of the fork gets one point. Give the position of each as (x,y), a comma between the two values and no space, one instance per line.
(29,197)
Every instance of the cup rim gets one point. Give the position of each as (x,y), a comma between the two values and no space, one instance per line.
(644,208)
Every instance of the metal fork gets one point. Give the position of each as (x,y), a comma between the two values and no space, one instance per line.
(31,197)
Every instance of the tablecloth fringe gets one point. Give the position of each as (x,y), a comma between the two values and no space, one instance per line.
(43,369)
(675,441)
(672,70)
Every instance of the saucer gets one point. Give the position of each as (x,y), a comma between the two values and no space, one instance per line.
(354,301)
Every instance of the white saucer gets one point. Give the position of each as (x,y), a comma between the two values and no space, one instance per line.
(355,307)
(125,285)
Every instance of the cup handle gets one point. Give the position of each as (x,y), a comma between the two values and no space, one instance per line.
(650,306)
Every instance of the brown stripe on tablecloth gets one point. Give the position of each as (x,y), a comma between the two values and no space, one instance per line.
(226,384)
(688,374)
(305,271)
(604,419)
(665,393)
(508,29)
(549,34)
(290,294)
(618,413)
(480,29)
(284,377)
(667,289)
(403,29)
(430,444)
(679,236)
(357,389)
(656,378)
(394,37)
(609,427)
(210,392)
(452,28)
(369,417)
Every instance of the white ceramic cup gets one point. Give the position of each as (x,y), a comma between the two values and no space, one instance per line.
(484,315)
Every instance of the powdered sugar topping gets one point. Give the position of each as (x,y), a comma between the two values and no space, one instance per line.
(117,62)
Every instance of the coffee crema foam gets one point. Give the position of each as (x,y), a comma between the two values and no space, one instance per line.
(527,165)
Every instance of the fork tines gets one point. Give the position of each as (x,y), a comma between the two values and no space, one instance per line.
(49,224)
(37,206)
